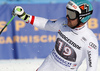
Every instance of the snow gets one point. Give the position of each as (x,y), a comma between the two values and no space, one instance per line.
(30,65)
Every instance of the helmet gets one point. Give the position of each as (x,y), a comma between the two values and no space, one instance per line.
(83,8)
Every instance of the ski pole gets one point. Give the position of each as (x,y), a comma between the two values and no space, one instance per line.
(6,25)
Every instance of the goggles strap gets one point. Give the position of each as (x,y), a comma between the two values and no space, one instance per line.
(86,14)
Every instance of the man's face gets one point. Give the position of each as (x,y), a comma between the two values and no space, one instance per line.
(72,23)
(72,17)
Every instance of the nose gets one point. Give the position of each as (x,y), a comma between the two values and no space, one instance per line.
(67,17)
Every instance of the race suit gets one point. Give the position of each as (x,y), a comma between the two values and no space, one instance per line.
(72,46)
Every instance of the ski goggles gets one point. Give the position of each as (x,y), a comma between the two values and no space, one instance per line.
(72,14)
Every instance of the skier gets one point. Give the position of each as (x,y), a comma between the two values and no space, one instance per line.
(75,41)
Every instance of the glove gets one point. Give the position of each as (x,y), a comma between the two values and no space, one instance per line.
(19,11)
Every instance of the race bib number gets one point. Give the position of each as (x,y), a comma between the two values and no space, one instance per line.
(65,51)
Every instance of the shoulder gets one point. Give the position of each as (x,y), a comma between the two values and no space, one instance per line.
(61,22)
(62,19)
(88,32)
(92,41)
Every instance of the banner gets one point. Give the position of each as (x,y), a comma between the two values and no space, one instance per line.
(21,40)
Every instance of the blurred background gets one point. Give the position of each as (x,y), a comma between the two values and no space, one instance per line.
(23,47)
(36,1)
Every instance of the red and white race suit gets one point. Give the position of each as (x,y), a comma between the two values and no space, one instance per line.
(72,46)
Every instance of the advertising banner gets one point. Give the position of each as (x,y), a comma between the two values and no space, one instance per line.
(21,40)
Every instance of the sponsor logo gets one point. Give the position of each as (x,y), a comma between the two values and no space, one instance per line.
(69,41)
(73,67)
(83,15)
(93,45)
(84,39)
(60,60)
(72,4)
(75,7)
(84,8)
(64,25)
(89,56)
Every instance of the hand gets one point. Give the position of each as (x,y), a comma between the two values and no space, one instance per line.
(18,11)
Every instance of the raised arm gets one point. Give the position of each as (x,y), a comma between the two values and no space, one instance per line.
(39,22)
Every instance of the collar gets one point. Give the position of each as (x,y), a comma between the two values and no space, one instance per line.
(79,29)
